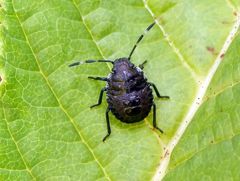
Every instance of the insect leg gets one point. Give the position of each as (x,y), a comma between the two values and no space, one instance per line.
(154,118)
(89,61)
(100,98)
(140,38)
(98,78)
(156,90)
(141,66)
(108,125)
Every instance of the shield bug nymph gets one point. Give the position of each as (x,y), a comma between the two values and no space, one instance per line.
(129,94)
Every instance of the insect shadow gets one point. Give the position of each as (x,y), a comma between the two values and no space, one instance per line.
(129,94)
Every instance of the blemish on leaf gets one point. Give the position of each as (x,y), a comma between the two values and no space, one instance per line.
(166,154)
(2,79)
(235,13)
(226,22)
(222,55)
(211,50)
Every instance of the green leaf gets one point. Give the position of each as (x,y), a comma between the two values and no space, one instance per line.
(210,149)
(48,131)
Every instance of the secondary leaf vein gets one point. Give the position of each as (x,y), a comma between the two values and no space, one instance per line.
(172,45)
(197,102)
(18,149)
(59,102)
(201,150)
(89,31)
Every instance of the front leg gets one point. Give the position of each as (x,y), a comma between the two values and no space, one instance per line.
(98,78)
(100,97)
(156,90)
(141,66)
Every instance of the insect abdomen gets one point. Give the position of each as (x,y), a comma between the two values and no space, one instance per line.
(130,107)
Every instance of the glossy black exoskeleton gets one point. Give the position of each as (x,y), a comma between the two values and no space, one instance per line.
(129,94)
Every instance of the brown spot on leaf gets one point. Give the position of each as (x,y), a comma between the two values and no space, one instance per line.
(166,154)
(226,22)
(210,49)
(235,13)
(222,55)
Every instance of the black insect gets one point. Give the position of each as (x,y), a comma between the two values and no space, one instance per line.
(129,94)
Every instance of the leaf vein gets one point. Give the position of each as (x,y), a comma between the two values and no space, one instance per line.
(172,45)
(18,149)
(90,33)
(222,90)
(201,150)
(59,102)
(197,102)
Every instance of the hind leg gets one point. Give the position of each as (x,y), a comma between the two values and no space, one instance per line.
(154,118)
(108,125)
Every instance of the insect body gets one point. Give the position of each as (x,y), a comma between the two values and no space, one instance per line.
(129,94)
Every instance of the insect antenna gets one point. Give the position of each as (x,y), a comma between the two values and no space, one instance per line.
(89,61)
(140,38)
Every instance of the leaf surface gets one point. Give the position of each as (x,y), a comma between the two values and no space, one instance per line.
(48,131)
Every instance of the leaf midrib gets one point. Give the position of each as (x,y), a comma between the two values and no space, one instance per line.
(198,101)
(171,145)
